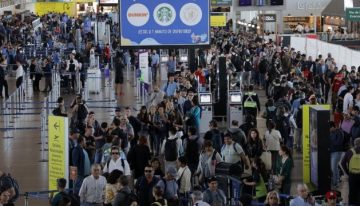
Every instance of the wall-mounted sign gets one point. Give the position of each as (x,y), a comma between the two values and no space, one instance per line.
(353,14)
(164,23)
(218,21)
(268,17)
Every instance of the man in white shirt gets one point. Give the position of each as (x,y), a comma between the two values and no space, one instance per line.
(348,99)
(197,198)
(92,188)
(184,181)
(232,152)
(303,198)
(117,162)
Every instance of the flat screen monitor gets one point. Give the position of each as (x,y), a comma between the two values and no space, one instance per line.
(183,59)
(235,98)
(245,2)
(205,98)
(277,2)
(164,59)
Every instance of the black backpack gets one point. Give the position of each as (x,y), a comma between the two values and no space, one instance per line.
(192,150)
(75,199)
(171,150)
(129,197)
(6,178)
(82,112)
(247,66)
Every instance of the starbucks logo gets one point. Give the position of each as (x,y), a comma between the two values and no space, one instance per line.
(164,14)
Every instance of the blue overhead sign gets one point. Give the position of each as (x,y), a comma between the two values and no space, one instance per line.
(164,23)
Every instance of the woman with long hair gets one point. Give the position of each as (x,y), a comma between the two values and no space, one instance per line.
(254,144)
(112,186)
(283,174)
(272,143)
(139,156)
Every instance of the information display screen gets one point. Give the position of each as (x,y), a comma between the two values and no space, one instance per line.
(277,2)
(164,23)
(235,98)
(245,2)
(205,98)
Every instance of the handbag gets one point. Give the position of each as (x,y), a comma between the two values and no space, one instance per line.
(266,158)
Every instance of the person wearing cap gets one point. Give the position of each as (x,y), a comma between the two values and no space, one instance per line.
(331,198)
(213,195)
(61,185)
(170,186)
(351,166)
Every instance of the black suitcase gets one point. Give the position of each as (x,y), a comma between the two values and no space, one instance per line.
(229,169)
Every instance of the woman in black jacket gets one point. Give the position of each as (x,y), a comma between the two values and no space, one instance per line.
(254,144)
(139,156)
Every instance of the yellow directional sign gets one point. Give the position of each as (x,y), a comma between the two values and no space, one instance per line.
(42,8)
(58,150)
(217,21)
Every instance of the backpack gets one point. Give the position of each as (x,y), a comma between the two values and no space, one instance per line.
(171,150)
(239,137)
(122,164)
(234,146)
(129,197)
(6,178)
(74,199)
(354,163)
(192,150)
(247,66)
(56,111)
(216,139)
(82,112)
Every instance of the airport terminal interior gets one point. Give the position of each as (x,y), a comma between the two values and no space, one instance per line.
(186,103)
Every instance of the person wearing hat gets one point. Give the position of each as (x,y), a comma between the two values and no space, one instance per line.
(331,198)
(213,195)
(170,186)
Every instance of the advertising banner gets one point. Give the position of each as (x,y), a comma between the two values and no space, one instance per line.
(144,67)
(164,23)
(306,141)
(218,21)
(58,150)
(42,8)
(221,2)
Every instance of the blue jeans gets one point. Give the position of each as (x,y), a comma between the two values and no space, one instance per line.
(184,199)
(335,159)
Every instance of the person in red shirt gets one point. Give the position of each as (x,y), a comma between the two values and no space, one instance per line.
(200,74)
(107,54)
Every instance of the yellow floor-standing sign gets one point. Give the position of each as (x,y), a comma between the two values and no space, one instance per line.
(306,141)
(58,150)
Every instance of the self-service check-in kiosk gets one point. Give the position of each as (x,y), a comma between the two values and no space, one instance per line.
(235,107)
(183,57)
(164,58)
(205,101)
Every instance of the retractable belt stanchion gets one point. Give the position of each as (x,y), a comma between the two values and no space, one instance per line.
(128,72)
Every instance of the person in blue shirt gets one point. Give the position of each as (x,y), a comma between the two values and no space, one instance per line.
(171,66)
(170,87)
(193,117)
(155,60)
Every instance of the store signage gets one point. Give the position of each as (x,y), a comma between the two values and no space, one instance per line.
(221,2)
(269,17)
(218,21)
(164,23)
(353,14)
(108,1)
(58,150)
(311,5)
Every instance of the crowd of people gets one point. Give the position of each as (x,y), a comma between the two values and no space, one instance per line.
(159,157)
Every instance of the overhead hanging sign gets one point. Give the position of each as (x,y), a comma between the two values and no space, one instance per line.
(58,150)
(353,14)
(221,2)
(218,21)
(164,23)
(268,17)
